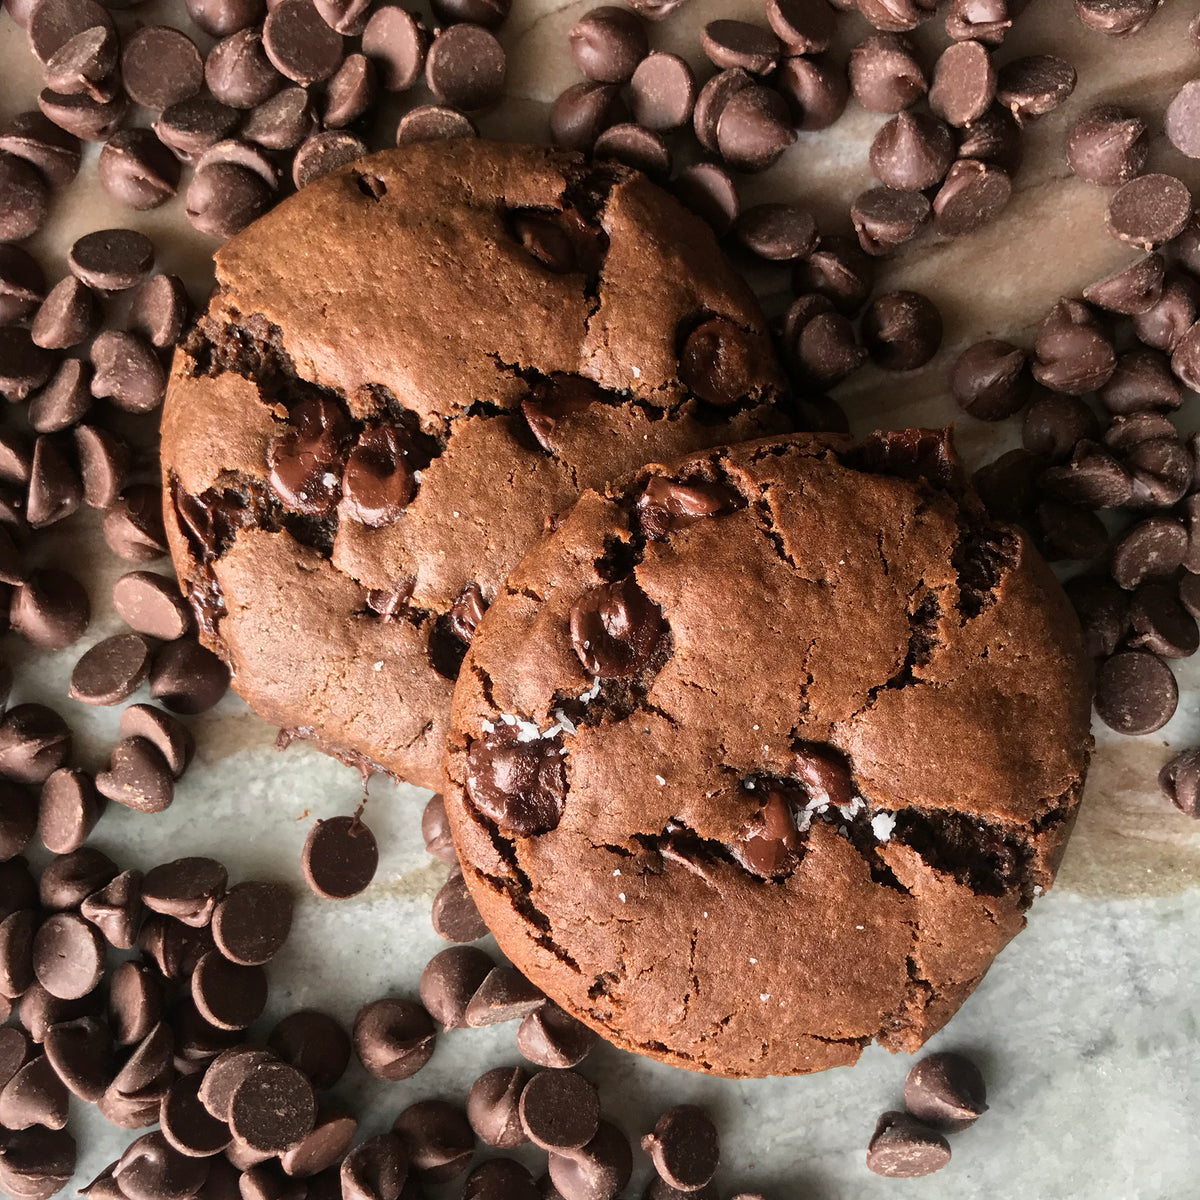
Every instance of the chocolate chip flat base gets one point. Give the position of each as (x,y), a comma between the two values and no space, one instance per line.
(763,757)
(403,370)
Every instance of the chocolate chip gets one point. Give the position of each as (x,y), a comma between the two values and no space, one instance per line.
(989,380)
(83,117)
(350,92)
(68,810)
(34,741)
(522,786)
(666,505)
(314,1043)
(1092,477)
(500,1179)
(466,67)
(151,604)
(1069,531)
(186,1123)
(994,138)
(187,889)
(170,736)
(839,270)
(116,910)
(608,43)
(36,1163)
(986,21)
(55,490)
(753,128)
(885,75)
(901,330)
(161,66)
(187,678)
(323,1148)
(1162,471)
(376,1169)
(112,260)
(1108,145)
(35,1095)
(912,152)
(64,400)
(227,995)
(395,42)
(300,44)
(435,829)
(1073,353)
(730,43)
(885,218)
(68,956)
(804,26)
(191,126)
(53,24)
(972,196)
(152,1169)
(504,995)
(1149,210)
(1179,780)
(582,112)
(133,525)
(1159,622)
(1181,121)
(81,1054)
(1163,325)
(683,1147)
(348,17)
(224,1075)
(601,1168)
(1032,86)
(964,83)
(17,932)
(85,64)
(1054,424)
(40,142)
(238,153)
(273,1107)
(904,1148)
(324,152)
(777,232)
(1135,692)
(449,981)
(816,90)
(455,917)
(1103,610)
(112,670)
(895,15)
(24,366)
(616,629)
(339,858)
(642,149)
(1135,289)
(821,344)
(1118,18)
(493,1107)
(22,284)
(138,776)
(433,122)
(252,922)
(238,72)
(551,1037)
(439,1138)
(69,315)
(39,1010)
(717,362)
(490,13)
(393,1038)
(224,198)
(662,89)
(70,878)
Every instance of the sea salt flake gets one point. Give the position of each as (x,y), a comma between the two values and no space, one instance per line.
(660,781)
(882,825)
(592,692)
(617,871)
(379,665)
(764,996)
(621,897)
(488,726)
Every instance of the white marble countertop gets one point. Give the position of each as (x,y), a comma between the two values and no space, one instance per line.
(1086,1027)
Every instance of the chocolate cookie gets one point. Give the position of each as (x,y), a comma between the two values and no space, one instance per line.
(763,756)
(403,370)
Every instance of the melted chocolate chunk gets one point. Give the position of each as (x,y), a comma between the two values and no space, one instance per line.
(616,629)
(306,462)
(770,845)
(670,504)
(467,611)
(377,482)
(825,775)
(521,785)
(908,454)
(556,397)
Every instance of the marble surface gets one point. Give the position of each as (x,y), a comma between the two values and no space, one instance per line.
(1086,1026)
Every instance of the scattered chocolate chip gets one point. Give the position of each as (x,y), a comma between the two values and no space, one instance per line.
(449,981)
(348,17)
(324,152)
(68,956)
(112,260)
(55,490)
(70,878)
(683,1147)
(435,829)
(904,1148)
(17,932)
(160,66)
(64,401)
(54,151)
(187,1125)
(393,1038)
(339,858)
(300,44)
(500,1179)
(1136,692)
(85,63)
(151,604)
(582,112)
(51,610)
(314,1043)
(753,128)
(222,199)
(138,776)
(1103,610)
(252,921)
(1159,622)
(22,284)
(238,71)
(1135,289)
(323,1148)
(69,315)
(551,1037)
(37,1162)
(137,170)
(455,917)
(901,330)
(226,994)
(885,218)
(83,117)
(912,151)
(395,42)
(989,380)
(1108,145)
(376,1169)
(187,889)
(1119,18)
(662,90)
(34,741)
(433,122)
(439,1139)
(116,910)
(642,149)
(1164,323)
(1054,424)
(1032,86)
(466,67)
(1149,210)
(112,670)
(35,1095)
(170,736)
(81,1053)
(493,1107)
(504,995)
(895,15)
(133,524)
(601,1168)
(68,810)
(191,126)
(273,1108)
(152,1169)
(608,43)
(1073,353)
(350,92)
(972,196)
(1179,780)
(839,270)
(187,678)
(24,366)
(964,83)
(1155,546)
(885,75)
(729,43)
(804,26)
(816,90)
(1092,477)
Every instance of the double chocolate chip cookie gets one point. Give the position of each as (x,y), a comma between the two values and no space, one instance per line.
(403,370)
(763,756)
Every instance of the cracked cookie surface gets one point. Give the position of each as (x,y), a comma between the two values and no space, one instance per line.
(403,370)
(762,756)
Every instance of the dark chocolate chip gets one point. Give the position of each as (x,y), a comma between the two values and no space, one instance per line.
(455,917)
(191,126)
(990,381)
(885,75)
(903,1148)
(222,199)
(187,677)
(753,128)
(112,260)
(393,1038)
(350,92)
(601,1168)
(1164,323)
(1073,352)
(717,362)
(116,909)
(1136,692)
(323,1148)
(521,785)
(493,1107)
(133,524)
(551,1037)
(608,43)
(885,218)
(68,956)
(804,26)
(64,400)
(187,1125)
(684,1147)
(1108,145)
(81,1053)
(69,315)
(300,44)
(466,67)
(504,995)
(1149,210)
(582,112)
(22,284)
(642,149)
(138,776)
(1032,86)
(152,1169)
(439,1137)
(24,366)
(1103,610)
(273,1108)
(1118,18)
(34,741)
(433,122)
(816,90)
(901,330)
(35,1095)
(730,43)
(55,489)
(1159,622)
(339,858)
(435,829)
(238,72)
(500,1179)
(964,83)
(160,66)
(616,629)
(376,1169)
(971,196)
(316,1044)
(662,90)
(1179,780)
(912,151)
(839,270)
(449,981)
